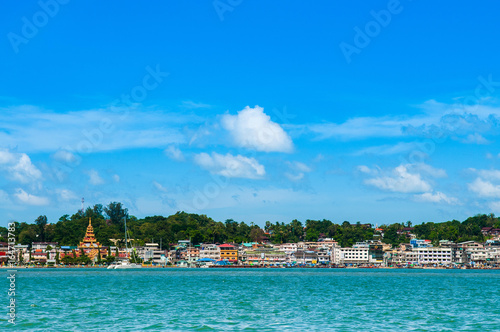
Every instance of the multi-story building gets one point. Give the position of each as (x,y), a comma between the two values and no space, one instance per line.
(305,257)
(151,252)
(192,255)
(433,256)
(324,256)
(288,248)
(229,252)
(43,245)
(264,256)
(353,255)
(210,251)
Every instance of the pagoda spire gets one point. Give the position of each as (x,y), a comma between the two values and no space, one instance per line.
(89,244)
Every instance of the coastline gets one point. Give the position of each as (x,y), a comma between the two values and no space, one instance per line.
(264,267)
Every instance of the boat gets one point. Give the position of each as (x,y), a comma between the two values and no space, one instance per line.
(125,264)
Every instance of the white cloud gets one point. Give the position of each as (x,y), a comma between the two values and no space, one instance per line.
(251,128)
(297,170)
(364,169)
(94,177)
(428,169)
(359,128)
(294,177)
(437,197)
(30,199)
(492,174)
(65,157)
(86,131)
(189,104)
(475,139)
(400,180)
(174,153)
(159,187)
(484,188)
(388,149)
(231,166)
(19,167)
(116,178)
(466,123)
(66,194)
(487,184)
(300,166)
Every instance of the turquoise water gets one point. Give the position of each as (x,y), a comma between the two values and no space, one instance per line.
(255,300)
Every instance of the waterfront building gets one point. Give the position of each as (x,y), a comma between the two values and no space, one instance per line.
(433,255)
(264,257)
(151,252)
(229,252)
(192,255)
(22,250)
(355,255)
(38,257)
(493,255)
(43,245)
(210,251)
(324,256)
(305,257)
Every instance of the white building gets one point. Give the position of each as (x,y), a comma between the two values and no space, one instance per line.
(152,252)
(351,255)
(211,251)
(288,248)
(432,255)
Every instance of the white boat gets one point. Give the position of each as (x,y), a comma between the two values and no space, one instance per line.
(125,264)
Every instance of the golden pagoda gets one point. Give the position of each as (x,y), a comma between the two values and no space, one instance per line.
(89,244)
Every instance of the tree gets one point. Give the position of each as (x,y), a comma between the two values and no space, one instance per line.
(256,234)
(68,260)
(110,259)
(116,213)
(85,260)
(41,222)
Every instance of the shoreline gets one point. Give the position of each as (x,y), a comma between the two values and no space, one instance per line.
(262,267)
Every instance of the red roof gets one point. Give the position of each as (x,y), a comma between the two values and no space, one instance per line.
(225,245)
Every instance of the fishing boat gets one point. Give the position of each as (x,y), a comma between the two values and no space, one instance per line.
(125,264)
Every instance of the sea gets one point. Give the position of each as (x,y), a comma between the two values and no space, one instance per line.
(293,299)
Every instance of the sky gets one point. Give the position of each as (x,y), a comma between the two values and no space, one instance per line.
(371,111)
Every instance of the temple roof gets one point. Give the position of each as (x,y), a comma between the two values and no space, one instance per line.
(89,240)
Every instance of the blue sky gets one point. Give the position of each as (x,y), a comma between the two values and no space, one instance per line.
(373,111)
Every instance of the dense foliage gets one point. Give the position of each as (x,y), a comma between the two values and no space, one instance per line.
(108,223)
